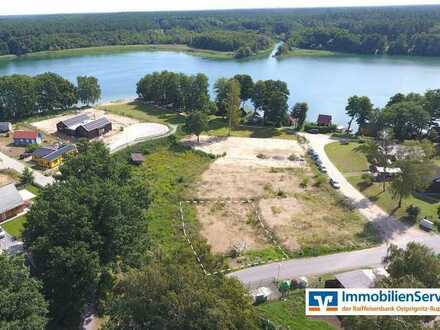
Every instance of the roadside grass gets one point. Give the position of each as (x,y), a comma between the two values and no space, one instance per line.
(33,189)
(265,255)
(15,227)
(352,164)
(289,313)
(345,158)
(217,125)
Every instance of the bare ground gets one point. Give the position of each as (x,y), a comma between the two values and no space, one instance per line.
(226,224)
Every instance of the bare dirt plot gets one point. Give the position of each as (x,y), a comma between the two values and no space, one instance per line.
(226,224)
(229,181)
(251,151)
(50,125)
(312,220)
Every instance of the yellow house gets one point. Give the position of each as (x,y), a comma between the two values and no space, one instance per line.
(49,157)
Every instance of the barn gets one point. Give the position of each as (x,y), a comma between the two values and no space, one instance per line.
(94,128)
(11,202)
(70,125)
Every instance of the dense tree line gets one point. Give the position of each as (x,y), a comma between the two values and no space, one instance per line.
(22,96)
(392,30)
(407,116)
(182,92)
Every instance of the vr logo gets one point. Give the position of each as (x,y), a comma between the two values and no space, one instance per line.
(323,301)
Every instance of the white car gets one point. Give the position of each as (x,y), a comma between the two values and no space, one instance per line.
(2,233)
(323,169)
(335,184)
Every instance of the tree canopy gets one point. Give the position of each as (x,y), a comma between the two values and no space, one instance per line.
(22,305)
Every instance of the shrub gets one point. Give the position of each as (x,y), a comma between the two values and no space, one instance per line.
(413,212)
(320,180)
(368,179)
(321,129)
(305,182)
(30,148)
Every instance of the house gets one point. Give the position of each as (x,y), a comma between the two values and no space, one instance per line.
(94,128)
(324,120)
(5,127)
(357,279)
(24,138)
(137,158)
(11,202)
(384,174)
(49,157)
(70,125)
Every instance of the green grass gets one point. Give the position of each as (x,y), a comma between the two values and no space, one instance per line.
(206,53)
(346,159)
(15,227)
(33,189)
(298,52)
(290,313)
(352,164)
(217,125)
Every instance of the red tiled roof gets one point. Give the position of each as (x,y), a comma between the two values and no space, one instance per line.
(324,120)
(25,135)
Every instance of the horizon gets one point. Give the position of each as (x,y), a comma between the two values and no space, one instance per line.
(13,10)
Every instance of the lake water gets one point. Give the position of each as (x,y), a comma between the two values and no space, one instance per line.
(324,82)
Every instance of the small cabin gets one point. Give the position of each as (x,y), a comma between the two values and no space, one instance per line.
(11,202)
(5,127)
(324,120)
(25,138)
(137,158)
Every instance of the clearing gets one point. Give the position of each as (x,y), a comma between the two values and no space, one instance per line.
(305,215)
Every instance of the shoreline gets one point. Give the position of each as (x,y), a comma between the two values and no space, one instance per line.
(102,50)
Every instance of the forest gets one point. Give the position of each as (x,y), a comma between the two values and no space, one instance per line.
(411,30)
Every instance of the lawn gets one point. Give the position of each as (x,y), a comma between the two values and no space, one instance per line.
(352,164)
(217,125)
(290,313)
(15,227)
(346,159)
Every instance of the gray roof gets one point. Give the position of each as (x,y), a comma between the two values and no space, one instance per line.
(96,124)
(59,152)
(10,198)
(43,151)
(76,120)
(357,279)
(5,125)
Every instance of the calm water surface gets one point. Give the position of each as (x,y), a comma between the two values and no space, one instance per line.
(324,82)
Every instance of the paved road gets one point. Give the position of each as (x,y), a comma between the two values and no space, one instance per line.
(391,230)
(39,179)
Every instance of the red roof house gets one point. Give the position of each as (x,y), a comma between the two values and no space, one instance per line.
(324,120)
(23,138)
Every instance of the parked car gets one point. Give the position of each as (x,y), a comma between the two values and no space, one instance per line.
(323,169)
(313,131)
(335,184)
(25,155)
(2,233)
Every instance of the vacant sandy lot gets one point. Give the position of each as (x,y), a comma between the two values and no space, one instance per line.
(301,215)
(50,125)
(312,220)
(251,151)
(235,227)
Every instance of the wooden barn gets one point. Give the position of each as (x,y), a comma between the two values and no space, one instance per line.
(70,125)
(11,202)
(94,128)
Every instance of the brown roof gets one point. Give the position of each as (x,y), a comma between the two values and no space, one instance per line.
(324,120)
(25,135)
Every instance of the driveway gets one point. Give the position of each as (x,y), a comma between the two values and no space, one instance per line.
(391,230)
(39,179)
(136,133)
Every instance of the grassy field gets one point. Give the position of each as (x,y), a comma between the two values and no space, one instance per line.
(352,164)
(298,52)
(15,227)
(289,314)
(217,125)
(211,54)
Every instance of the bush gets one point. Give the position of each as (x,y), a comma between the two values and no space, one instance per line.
(367,179)
(30,148)
(320,180)
(413,212)
(305,182)
(321,129)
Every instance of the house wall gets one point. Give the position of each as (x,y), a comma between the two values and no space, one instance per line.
(25,142)
(11,213)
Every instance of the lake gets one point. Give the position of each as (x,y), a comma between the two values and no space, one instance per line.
(324,82)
